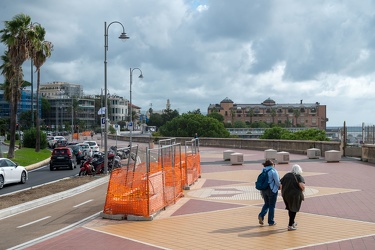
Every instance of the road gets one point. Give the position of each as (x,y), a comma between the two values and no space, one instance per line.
(57,216)
(20,228)
(39,176)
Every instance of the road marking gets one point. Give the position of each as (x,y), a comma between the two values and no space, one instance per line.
(35,221)
(83,203)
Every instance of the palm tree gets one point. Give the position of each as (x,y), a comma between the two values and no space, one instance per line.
(41,50)
(16,36)
(251,115)
(296,113)
(273,114)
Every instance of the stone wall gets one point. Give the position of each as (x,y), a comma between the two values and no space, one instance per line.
(294,147)
(368,153)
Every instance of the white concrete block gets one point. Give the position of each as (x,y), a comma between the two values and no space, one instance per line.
(226,154)
(236,159)
(270,154)
(313,153)
(282,157)
(332,156)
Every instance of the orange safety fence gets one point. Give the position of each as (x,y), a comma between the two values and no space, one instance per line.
(86,133)
(143,190)
(193,168)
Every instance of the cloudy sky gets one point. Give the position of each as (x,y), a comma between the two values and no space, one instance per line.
(198,52)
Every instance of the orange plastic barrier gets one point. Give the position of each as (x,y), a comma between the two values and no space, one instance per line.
(133,190)
(86,133)
(76,136)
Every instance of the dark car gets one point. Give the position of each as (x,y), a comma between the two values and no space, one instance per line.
(78,152)
(62,157)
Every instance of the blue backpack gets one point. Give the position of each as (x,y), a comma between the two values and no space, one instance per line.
(262,181)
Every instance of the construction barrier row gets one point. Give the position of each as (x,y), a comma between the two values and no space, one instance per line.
(144,188)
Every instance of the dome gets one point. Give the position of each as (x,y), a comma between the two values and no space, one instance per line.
(268,102)
(226,100)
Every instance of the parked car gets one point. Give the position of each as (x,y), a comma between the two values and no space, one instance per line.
(86,149)
(78,152)
(62,157)
(10,172)
(53,142)
(73,143)
(93,145)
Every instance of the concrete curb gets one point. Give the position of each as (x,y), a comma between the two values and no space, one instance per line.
(51,198)
(38,164)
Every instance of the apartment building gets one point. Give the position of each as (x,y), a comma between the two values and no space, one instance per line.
(61,96)
(311,115)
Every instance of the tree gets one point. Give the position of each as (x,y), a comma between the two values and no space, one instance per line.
(24,119)
(216,116)
(197,112)
(284,134)
(274,133)
(169,114)
(239,124)
(16,36)
(40,51)
(155,120)
(186,125)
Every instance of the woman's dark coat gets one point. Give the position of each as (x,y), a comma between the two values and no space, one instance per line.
(291,191)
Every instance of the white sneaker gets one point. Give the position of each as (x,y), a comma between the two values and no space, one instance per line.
(291,228)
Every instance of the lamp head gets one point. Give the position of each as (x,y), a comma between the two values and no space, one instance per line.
(123,36)
(140,76)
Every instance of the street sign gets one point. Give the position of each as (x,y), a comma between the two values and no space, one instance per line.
(103,123)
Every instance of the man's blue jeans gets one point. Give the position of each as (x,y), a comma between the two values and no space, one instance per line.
(270,199)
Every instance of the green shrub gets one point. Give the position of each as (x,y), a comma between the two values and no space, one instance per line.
(29,139)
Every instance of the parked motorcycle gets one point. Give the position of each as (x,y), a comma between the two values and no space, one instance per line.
(95,164)
(123,153)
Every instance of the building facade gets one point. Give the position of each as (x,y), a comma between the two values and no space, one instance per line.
(310,115)
(24,104)
(55,90)
(118,109)
(61,96)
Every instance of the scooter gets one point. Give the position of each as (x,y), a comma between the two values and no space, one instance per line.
(95,165)
(122,153)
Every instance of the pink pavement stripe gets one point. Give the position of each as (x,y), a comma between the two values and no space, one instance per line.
(82,238)
(200,206)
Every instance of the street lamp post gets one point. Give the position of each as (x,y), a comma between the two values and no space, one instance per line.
(122,36)
(131,104)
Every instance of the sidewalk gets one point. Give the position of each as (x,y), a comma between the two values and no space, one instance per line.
(220,211)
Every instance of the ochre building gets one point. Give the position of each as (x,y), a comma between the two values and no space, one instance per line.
(310,115)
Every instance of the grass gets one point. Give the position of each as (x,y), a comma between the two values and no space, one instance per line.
(28,156)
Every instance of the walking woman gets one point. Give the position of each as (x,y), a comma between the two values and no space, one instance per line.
(292,187)
(270,194)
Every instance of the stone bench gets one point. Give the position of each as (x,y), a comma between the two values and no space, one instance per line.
(313,153)
(332,156)
(236,159)
(270,154)
(282,157)
(226,154)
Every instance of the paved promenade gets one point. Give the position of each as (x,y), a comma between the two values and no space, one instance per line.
(220,211)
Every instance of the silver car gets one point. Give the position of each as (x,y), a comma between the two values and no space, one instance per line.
(86,149)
